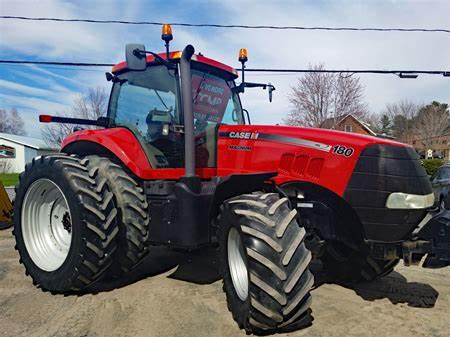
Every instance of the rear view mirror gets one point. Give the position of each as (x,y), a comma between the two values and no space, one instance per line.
(271,89)
(135,59)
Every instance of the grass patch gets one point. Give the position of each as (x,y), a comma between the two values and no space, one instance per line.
(9,179)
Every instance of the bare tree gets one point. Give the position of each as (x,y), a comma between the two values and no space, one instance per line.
(431,121)
(3,118)
(319,96)
(92,105)
(11,122)
(402,115)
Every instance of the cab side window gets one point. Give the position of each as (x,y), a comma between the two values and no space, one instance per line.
(233,113)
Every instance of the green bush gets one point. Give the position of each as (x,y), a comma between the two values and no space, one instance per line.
(432,165)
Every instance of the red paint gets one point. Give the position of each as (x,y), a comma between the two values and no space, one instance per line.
(175,55)
(127,148)
(293,162)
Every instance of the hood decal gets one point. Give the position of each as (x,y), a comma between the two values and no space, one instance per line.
(278,138)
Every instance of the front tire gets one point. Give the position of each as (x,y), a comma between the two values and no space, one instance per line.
(64,224)
(266,276)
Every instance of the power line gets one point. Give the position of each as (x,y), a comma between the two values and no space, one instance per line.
(353,71)
(261,70)
(213,25)
(74,64)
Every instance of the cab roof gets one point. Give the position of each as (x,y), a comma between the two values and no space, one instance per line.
(176,55)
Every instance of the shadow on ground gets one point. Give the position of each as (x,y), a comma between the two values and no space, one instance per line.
(200,267)
(394,287)
(203,267)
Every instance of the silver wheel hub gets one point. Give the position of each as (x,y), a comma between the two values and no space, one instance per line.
(46,224)
(236,263)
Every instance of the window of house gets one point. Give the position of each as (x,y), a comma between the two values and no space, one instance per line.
(348,128)
(7,151)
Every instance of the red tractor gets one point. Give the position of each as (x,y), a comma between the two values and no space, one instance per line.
(176,162)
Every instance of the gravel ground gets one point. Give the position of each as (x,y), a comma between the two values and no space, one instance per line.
(176,295)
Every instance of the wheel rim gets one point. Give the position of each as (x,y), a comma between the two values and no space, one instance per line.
(237,265)
(46,224)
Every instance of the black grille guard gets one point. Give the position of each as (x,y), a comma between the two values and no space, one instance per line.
(431,238)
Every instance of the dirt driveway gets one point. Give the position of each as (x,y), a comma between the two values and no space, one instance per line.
(172,295)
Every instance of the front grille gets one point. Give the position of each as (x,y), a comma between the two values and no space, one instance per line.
(380,171)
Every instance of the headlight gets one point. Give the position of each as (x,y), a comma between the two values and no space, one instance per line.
(400,200)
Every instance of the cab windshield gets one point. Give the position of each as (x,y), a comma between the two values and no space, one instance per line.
(148,103)
(141,93)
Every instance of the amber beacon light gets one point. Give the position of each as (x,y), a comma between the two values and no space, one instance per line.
(166,36)
(166,32)
(243,55)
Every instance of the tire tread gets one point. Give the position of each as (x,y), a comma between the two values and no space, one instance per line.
(277,262)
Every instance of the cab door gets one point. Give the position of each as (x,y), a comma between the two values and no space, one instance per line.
(214,103)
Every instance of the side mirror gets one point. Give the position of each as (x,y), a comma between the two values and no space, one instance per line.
(271,89)
(135,60)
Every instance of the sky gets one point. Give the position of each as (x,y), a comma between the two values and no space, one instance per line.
(35,90)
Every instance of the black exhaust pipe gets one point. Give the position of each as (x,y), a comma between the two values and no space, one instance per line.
(189,178)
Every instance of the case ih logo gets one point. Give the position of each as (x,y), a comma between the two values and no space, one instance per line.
(244,135)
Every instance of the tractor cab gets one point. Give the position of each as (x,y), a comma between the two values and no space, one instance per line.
(148,102)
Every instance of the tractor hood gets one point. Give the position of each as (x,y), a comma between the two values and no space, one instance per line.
(325,157)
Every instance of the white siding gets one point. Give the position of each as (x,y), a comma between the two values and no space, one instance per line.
(30,153)
(24,155)
(16,164)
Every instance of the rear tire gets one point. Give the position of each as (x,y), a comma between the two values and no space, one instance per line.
(64,223)
(266,276)
(131,203)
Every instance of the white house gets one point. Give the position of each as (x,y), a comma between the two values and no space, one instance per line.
(17,151)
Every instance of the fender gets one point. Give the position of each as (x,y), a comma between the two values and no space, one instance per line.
(236,184)
(119,141)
